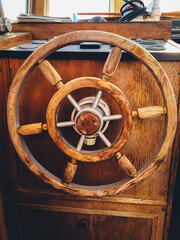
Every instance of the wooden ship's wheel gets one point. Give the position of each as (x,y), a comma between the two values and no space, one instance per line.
(89,119)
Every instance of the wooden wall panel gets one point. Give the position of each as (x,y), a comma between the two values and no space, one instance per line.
(139,212)
(141,90)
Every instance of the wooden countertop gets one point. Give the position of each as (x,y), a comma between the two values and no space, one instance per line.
(24,32)
(73,51)
(12,39)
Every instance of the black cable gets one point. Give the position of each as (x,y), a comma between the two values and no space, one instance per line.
(132,11)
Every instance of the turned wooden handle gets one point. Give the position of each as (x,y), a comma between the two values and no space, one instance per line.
(126,165)
(70,171)
(50,73)
(30,129)
(149,112)
(112,62)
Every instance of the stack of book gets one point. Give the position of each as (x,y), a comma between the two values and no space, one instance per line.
(37,18)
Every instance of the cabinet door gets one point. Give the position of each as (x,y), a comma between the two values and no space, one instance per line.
(38,224)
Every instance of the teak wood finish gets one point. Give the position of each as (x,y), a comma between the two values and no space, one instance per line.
(12,39)
(161,29)
(168,110)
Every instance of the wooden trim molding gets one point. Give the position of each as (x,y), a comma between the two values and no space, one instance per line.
(133,30)
(14,39)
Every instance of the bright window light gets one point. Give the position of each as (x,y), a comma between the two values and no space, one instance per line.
(61,8)
(68,7)
(12,8)
(165,5)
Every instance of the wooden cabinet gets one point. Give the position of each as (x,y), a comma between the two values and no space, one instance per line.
(40,211)
(94,225)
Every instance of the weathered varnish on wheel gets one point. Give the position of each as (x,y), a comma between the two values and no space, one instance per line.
(70,171)
(168,108)
(50,73)
(125,164)
(111,63)
(101,85)
(151,112)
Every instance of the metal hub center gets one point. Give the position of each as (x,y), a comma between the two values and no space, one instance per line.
(88,122)
(91,121)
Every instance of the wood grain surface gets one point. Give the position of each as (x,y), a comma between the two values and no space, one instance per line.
(161,29)
(14,39)
(143,207)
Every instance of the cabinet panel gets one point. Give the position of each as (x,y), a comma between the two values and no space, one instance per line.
(45,213)
(47,225)
(140,88)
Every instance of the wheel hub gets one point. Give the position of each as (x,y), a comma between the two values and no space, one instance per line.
(101,111)
(88,122)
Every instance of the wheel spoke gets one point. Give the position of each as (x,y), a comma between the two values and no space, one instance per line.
(73,102)
(37,128)
(111,63)
(80,143)
(112,117)
(149,112)
(30,129)
(104,138)
(97,99)
(50,73)
(126,165)
(65,124)
(70,171)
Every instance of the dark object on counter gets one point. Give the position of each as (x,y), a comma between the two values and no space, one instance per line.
(97,19)
(90,45)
